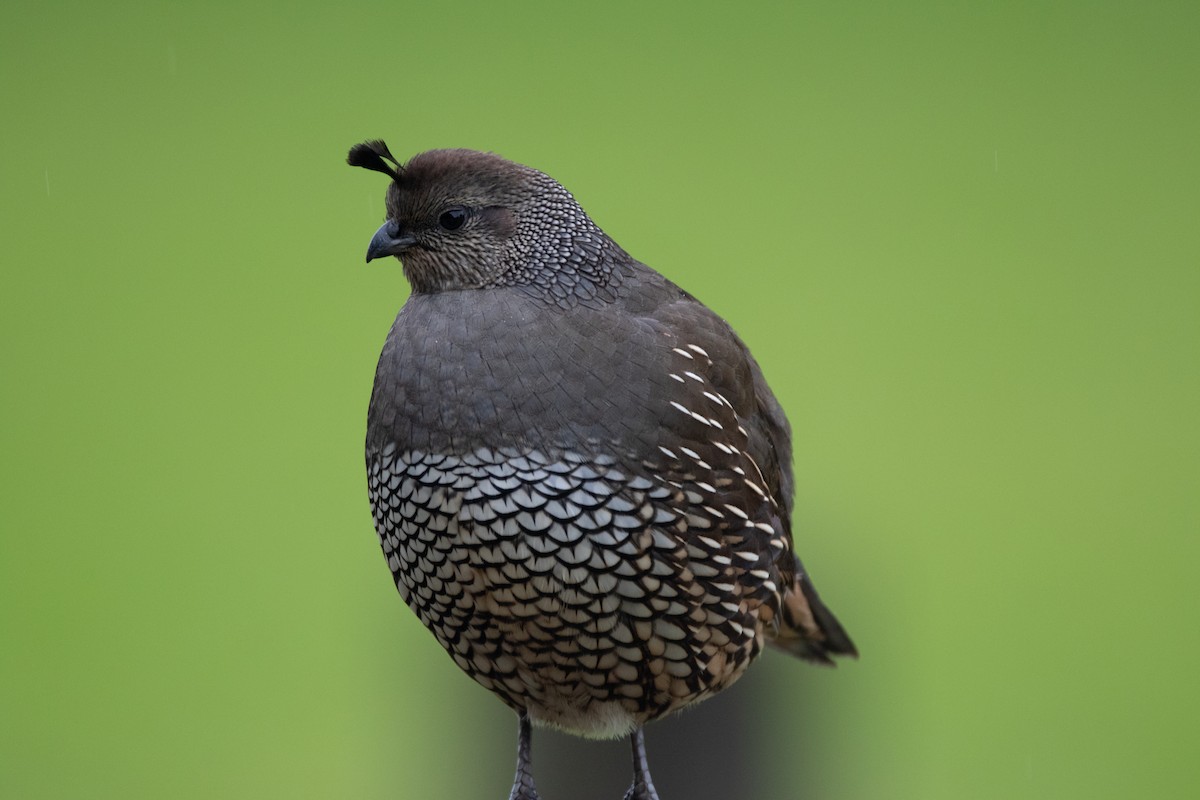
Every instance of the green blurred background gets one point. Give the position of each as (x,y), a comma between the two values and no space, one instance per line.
(963,240)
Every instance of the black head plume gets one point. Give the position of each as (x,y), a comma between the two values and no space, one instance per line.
(371,155)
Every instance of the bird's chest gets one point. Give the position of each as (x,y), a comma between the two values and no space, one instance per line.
(453,378)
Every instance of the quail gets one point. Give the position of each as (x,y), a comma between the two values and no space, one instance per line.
(579,477)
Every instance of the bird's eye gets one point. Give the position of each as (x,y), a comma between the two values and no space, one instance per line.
(453,218)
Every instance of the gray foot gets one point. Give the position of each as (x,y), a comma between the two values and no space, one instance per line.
(643,786)
(523,788)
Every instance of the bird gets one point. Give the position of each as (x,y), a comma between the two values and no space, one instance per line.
(580,480)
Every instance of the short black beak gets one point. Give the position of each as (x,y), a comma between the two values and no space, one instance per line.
(389,241)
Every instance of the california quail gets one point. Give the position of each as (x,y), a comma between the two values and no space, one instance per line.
(580,479)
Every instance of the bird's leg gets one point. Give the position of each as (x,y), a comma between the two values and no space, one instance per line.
(523,788)
(643,787)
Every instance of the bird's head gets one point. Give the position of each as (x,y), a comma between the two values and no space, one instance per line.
(461,219)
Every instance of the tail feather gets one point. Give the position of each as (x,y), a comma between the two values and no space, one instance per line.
(807,628)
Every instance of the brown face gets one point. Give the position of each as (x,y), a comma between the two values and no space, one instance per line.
(448,235)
